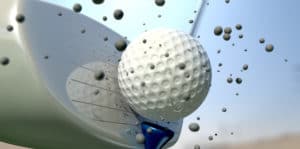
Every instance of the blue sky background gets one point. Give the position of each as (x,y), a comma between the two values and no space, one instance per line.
(269,100)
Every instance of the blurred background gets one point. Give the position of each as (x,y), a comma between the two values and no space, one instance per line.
(262,111)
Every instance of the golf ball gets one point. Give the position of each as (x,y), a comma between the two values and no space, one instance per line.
(164,74)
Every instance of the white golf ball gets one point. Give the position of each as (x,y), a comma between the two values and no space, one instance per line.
(165,74)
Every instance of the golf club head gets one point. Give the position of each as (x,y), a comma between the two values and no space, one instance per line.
(68,93)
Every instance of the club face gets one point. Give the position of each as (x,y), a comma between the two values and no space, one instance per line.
(67,49)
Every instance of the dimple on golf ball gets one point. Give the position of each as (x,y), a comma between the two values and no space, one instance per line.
(164,74)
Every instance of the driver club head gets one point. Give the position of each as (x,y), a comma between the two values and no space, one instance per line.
(60,85)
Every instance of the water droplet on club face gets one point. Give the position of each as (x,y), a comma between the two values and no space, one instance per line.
(20,18)
(99,75)
(149,130)
(121,45)
(210,138)
(194,127)
(9,28)
(140,138)
(4,61)
(105,38)
(197,146)
(96,92)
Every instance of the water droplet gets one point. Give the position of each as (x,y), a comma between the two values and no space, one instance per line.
(118,14)
(269,47)
(10,28)
(140,138)
(229,80)
(20,18)
(144,41)
(228,30)
(226,37)
(98,1)
(104,18)
(96,92)
(197,146)
(149,130)
(77,8)
(218,30)
(4,61)
(238,26)
(160,2)
(105,38)
(241,36)
(181,66)
(120,45)
(238,80)
(261,40)
(194,127)
(152,67)
(224,109)
(245,67)
(99,75)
